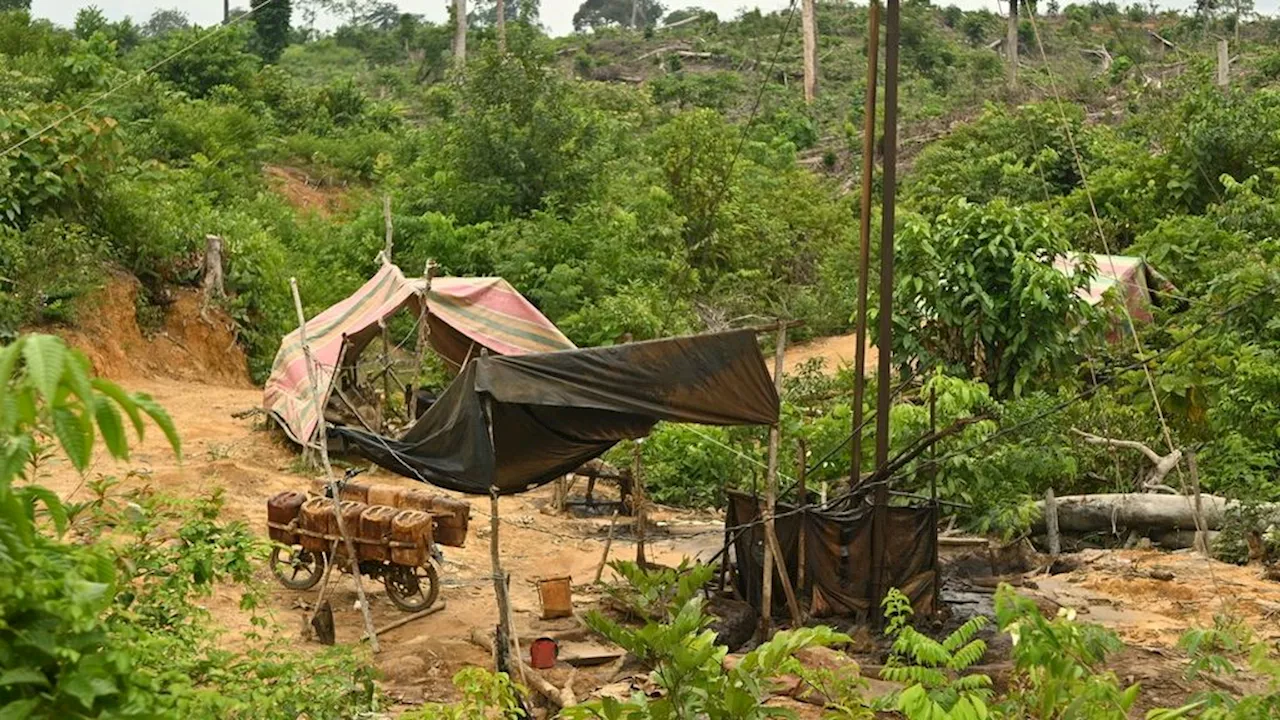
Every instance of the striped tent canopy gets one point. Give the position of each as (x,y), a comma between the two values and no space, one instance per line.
(463,315)
(1125,274)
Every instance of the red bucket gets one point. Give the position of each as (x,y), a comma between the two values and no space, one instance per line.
(543,653)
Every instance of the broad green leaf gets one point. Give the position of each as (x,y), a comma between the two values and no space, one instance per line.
(75,434)
(45,356)
(77,375)
(162,419)
(23,676)
(85,685)
(126,403)
(112,428)
(19,710)
(53,504)
(9,358)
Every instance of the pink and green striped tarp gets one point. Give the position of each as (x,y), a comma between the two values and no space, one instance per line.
(464,315)
(1124,273)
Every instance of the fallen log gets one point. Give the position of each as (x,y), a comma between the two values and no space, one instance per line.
(1116,512)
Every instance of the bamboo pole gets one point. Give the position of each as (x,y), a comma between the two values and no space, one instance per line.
(864,241)
(328,469)
(771,490)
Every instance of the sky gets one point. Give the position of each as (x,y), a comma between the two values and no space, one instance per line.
(557,15)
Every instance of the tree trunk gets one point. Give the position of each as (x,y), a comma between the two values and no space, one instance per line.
(1011,43)
(502,26)
(460,33)
(810,25)
(1224,64)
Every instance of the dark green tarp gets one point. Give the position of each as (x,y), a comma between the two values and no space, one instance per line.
(554,411)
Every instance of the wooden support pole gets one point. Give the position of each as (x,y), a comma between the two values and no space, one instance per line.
(864,241)
(506,633)
(792,605)
(639,504)
(1051,523)
(424,336)
(328,469)
(384,407)
(803,501)
(809,25)
(771,490)
(608,543)
(885,336)
(1201,542)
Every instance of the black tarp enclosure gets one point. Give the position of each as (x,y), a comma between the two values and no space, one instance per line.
(837,554)
(552,412)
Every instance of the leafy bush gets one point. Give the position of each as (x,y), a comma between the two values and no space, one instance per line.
(933,671)
(106,625)
(1059,665)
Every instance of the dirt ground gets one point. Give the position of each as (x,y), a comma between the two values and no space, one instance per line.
(251,462)
(835,352)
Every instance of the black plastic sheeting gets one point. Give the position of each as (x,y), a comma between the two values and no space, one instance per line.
(554,411)
(837,555)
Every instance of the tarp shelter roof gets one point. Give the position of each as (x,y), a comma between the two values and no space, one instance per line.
(554,411)
(1126,274)
(464,315)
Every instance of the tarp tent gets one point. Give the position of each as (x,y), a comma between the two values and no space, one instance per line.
(1130,277)
(463,315)
(551,412)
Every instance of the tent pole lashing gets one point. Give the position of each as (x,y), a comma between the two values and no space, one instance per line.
(328,469)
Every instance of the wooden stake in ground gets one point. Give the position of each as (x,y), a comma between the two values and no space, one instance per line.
(328,469)
(1201,542)
(608,543)
(639,504)
(459,33)
(771,490)
(1011,44)
(1051,523)
(809,24)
